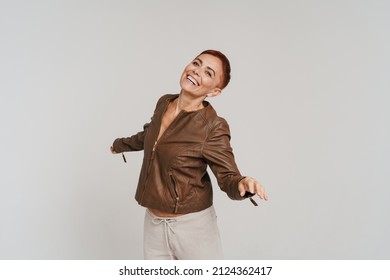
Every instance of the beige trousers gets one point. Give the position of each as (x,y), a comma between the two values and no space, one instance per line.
(193,236)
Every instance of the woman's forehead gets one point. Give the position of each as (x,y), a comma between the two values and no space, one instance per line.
(211,61)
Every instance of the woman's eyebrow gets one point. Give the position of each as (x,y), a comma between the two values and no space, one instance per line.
(208,67)
(201,62)
(211,69)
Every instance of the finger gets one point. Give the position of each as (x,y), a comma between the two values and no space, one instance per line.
(262,194)
(260,191)
(265,195)
(241,189)
(244,187)
(250,188)
(250,185)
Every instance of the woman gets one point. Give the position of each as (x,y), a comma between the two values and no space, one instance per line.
(185,136)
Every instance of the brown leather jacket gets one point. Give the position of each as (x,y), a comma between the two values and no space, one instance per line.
(173,177)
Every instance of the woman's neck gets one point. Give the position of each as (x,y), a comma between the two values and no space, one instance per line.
(186,103)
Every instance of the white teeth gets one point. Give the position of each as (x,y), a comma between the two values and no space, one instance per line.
(192,80)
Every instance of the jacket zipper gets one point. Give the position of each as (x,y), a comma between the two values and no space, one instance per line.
(148,171)
(176,192)
(152,158)
(170,173)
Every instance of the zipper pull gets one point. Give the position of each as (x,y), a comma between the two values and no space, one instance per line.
(154,146)
(176,205)
(124,158)
(154,149)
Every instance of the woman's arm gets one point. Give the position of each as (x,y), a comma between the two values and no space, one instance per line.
(135,142)
(132,143)
(219,155)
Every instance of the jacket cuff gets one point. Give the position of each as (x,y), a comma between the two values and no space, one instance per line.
(118,145)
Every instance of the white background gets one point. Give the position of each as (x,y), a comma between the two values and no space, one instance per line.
(307,107)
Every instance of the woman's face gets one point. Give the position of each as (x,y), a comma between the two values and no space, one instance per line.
(203,76)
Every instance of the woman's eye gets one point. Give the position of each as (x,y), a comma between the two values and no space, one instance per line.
(208,73)
(195,63)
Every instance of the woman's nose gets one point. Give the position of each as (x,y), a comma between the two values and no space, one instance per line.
(196,71)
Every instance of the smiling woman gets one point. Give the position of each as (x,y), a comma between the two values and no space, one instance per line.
(185,136)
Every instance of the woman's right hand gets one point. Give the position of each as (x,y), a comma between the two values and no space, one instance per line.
(112,150)
(249,184)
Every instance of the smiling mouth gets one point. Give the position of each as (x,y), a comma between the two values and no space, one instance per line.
(192,80)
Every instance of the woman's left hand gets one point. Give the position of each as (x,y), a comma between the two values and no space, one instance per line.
(249,184)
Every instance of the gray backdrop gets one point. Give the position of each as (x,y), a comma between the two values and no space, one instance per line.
(308,107)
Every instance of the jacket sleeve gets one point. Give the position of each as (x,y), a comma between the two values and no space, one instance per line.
(132,143)
(135,142)
(219,156)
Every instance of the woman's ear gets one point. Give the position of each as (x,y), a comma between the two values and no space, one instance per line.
(214,92)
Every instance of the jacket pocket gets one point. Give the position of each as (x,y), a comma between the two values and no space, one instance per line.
(175,191)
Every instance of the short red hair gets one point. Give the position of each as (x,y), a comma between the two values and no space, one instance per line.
(225,65)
